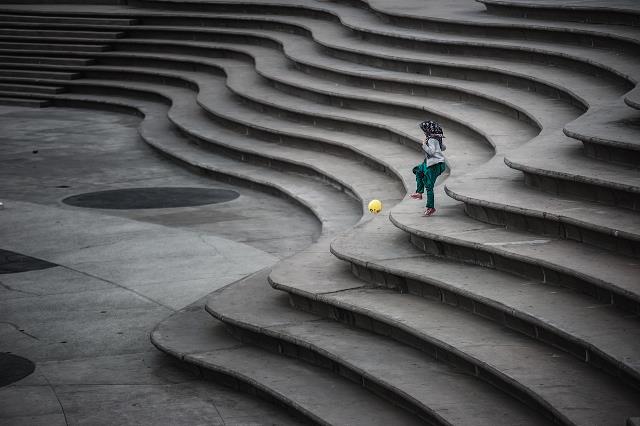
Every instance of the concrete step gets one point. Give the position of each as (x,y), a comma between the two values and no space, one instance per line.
(51,47)
(619,12)
(553,163)
(8,58)
(633,98)
(317,395)
(256,314)
(548,380)
(30,88)
(451,234)
(53,34)
(30,103)
(497,195)
(592,330)
(24,73)
(52,19)
(606,135)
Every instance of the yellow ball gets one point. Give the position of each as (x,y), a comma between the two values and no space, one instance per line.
(375,206)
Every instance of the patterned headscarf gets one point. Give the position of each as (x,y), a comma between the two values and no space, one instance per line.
(432,128)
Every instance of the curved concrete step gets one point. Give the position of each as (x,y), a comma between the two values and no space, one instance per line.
(528,370)
(256,314)
(620,12)
(607,135)
(584,268)
(497,195)
(591,330)
(554,163)
(318,395)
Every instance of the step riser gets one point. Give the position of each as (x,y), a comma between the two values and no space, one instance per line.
(291,350)
(625,157)
(609,196)
(379,278)
(585,16)
(522,268)
(355,319)
(541,226)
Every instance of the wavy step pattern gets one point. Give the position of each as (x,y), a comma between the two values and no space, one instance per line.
(516,303)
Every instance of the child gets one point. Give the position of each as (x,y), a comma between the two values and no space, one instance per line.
(433,165)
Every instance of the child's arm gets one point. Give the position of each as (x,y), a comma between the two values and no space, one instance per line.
(429,148)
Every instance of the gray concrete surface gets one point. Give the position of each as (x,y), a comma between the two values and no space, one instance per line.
(86,323)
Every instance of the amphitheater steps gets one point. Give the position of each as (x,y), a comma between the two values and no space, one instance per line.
(454,235)
(318,395)
(547,380)
(590,329)
(437,392)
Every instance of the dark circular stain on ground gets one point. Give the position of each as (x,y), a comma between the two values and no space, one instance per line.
(151,198)
(14,368)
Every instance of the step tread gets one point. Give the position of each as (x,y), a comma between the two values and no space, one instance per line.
(606,126)
(36,73)
(378,245)
(557,156)
(6,99)
(456,398)
(48,47)
(602,268)
(92,9)
(558,380)
(192,336)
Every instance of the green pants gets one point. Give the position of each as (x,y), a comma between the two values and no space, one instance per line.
(426,179)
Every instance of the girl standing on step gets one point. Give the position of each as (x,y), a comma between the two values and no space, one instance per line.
(433,165)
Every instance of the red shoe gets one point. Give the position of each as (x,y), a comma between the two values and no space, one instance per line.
(416,196)
(429,211)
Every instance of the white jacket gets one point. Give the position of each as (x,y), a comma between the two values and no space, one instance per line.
(432,151)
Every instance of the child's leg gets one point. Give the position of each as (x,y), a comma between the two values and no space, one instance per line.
(430,176)
(419,172)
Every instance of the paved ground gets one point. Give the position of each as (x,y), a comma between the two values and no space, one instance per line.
(86,322)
